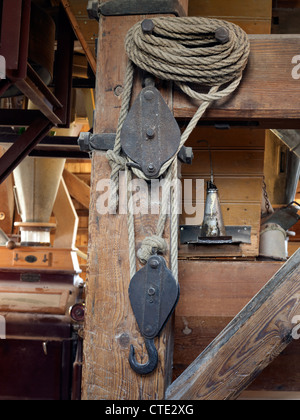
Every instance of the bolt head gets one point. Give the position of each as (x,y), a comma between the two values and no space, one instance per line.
(149,95)
(222,35)
(151,291)
(154,263)
(150,133)
(147,26)
(151,168)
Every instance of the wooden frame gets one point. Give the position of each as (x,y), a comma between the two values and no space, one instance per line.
(41,307)
(110,327)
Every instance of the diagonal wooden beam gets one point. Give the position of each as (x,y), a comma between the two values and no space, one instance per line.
(77,188)
(255,337)
(89,55)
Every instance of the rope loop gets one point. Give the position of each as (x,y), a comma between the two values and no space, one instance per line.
(146,249)
(185,50)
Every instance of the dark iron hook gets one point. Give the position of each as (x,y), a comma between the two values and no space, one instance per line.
(148,367)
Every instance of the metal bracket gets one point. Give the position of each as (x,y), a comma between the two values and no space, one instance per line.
(89,142)
(134,7)
(105,141)
(192,234)
(93,9)
(286,217)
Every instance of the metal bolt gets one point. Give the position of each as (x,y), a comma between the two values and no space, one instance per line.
(222,35)
(147,26)
(2,215)
(150,133)
(118,90)
(149,95)
(151,291)
(148,329)
(84,141)
(151,168)
(154,263)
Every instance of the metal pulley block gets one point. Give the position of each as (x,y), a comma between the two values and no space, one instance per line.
(150,135)
(153,294)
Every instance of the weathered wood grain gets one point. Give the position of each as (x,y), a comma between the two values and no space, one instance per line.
(268,93)
(255,337)
(110,326)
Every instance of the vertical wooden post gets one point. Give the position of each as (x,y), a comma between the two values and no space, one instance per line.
(110,326)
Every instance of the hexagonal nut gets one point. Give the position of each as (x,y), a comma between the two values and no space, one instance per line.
(84,142)
(93,9)
(189,154)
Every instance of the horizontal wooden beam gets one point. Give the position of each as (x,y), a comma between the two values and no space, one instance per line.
(255,337)
(268,96)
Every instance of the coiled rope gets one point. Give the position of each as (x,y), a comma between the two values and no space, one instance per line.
(186,52)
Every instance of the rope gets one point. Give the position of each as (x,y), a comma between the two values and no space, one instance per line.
(185,51)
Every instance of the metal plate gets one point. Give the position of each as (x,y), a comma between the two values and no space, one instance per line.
(141,7)
(150,135)
(192,234)
(285,217)
(153,294)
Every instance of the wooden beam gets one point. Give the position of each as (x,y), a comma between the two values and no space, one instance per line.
(256,336)
(77,188)
(89,55)
(66,219)
(269,92)
(7,203)
(110,326)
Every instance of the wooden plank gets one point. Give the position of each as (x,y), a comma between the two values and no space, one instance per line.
(66,219)
(77,188)
(193,334)
(231,138)
(212,293)
(7,203)
(254,18)
(78,31)
(239,163)
(110,326)
(219,288)
(256,336)
(268,96)
(218,8)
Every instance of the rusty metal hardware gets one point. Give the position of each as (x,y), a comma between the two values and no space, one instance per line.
(93,9)
(89,142)
(150,135)
(105,141)
(77,312)
(153,294)
(134,7)
(222,35)
(286,217)
(193,235)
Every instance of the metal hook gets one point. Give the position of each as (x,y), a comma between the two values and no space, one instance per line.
(144,369)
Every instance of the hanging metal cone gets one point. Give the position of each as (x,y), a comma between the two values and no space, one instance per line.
(37,181)
(213,224)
